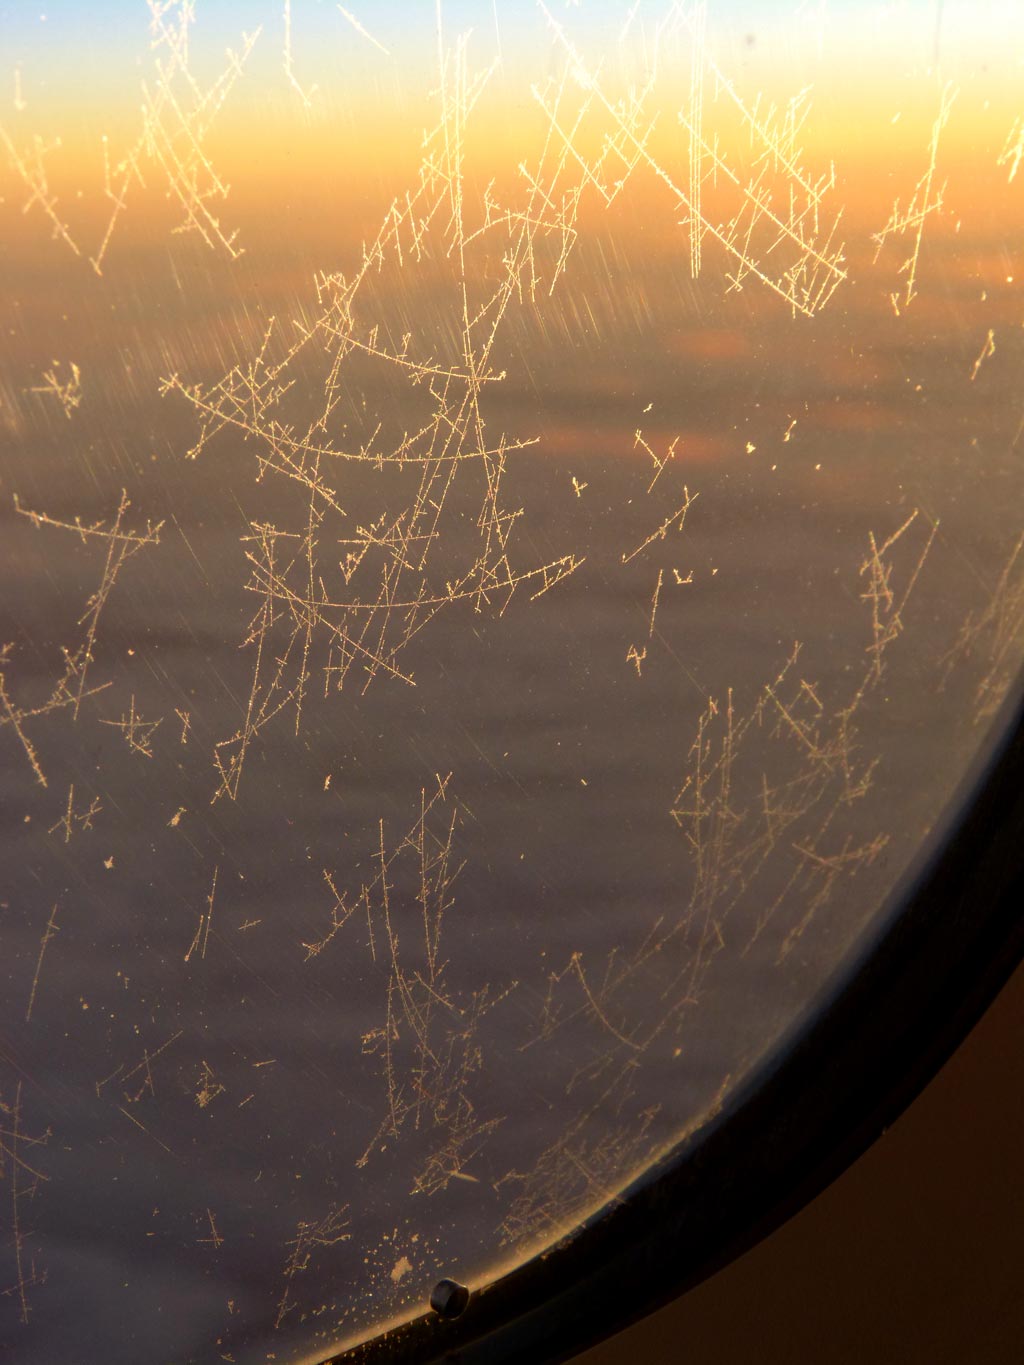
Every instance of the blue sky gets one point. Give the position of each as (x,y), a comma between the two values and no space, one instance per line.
(105,43)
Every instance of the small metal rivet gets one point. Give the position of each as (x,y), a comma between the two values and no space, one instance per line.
(449,1298)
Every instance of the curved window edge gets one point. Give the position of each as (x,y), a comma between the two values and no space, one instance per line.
(950,936)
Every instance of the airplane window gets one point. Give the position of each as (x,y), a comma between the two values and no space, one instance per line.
(512,566)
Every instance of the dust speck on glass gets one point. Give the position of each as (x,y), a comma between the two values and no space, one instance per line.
(510,537)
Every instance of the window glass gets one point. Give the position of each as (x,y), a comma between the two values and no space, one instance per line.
(510,534)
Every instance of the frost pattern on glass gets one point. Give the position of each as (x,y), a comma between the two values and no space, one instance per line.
(510,533)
